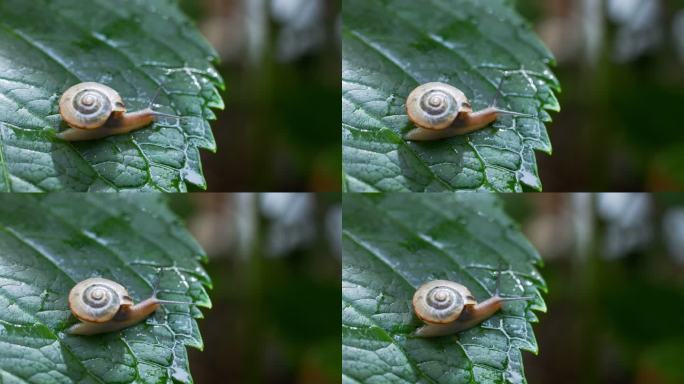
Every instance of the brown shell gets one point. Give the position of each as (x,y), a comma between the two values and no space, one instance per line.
(435,105)
(97,300)
(89,105)
(441,301)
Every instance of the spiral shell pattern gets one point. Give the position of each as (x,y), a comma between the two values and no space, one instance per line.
(434,105)
(89,105)
(440,301)
(97,300)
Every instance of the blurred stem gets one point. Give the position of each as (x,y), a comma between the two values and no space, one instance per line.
(592,25)
(586,275)
(252,291)
(258,86)
(257,31)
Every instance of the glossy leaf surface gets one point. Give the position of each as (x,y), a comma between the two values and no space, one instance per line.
(394,243)
(48,243)
(137,47)
(482,47)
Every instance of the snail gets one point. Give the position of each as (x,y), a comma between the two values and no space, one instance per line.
(440,110)
(94,111)
(447,307)
(105,306)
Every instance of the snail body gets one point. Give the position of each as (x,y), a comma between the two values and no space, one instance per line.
(440,110)
(105,306)
(93,111)
(447,307)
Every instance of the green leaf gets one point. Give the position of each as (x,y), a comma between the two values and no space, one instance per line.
(135,46)
(391,46)
(49,242)
(392,244)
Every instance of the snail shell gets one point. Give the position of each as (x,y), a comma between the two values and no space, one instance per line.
(447,307)
(441,301)
(436,105)
(90,105)
(105,306)
(98,300)
(94,111)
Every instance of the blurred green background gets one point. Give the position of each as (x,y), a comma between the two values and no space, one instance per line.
(621,67)
(281,61)
(275,264)
(614,265)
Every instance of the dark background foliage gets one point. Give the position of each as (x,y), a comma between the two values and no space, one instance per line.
(614,266)
(274,260)
(620,66)
(281,63)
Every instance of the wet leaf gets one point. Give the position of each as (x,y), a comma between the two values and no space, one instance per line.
(392,244)
(50,242)
(135,46)
(391,46)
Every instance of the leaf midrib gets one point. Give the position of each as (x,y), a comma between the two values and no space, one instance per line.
(393,270)
(448,256)
(141,234)
(26,37)
(3,163)
(159,85)
(535,258)
(396,135)
(465,272)
(37,251)
(526,48)
(445,183)
(38,321)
